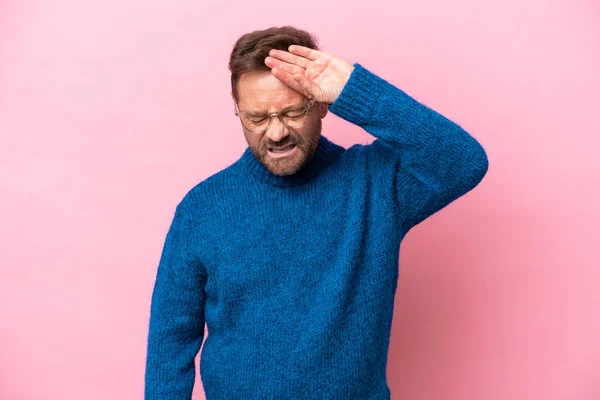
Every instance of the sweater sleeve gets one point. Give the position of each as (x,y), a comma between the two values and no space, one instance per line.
(176,327)
(420,160)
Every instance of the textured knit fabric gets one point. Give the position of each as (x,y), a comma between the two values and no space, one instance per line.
(295,276)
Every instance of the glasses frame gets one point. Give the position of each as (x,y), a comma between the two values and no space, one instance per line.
(279,115)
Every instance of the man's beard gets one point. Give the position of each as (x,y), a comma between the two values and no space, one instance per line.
(306,147)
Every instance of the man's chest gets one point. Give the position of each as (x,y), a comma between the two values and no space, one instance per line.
(292,241)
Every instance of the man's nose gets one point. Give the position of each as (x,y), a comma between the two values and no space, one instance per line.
(277,130)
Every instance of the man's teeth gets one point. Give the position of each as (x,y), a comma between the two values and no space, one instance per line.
(281,150)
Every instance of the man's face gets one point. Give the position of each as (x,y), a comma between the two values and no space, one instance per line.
(261,92)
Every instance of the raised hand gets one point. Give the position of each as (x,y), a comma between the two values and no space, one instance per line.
(316,74)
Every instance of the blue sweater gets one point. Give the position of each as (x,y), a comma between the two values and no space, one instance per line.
(295,276)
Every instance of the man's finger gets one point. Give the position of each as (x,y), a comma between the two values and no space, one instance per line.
(292,81)
(305,52)
(285,77)
(292,69)
(309,88)
(289,58)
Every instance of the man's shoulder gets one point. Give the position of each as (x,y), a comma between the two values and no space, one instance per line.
(356,153)
(207,191)
(216,181)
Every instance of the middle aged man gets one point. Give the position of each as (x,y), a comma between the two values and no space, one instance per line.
(290,255)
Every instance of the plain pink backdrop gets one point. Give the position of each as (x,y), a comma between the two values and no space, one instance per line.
(110,111)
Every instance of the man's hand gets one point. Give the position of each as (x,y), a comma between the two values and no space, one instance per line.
(315,74)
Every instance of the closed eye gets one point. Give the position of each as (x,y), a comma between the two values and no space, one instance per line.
(295,114)
(257,118)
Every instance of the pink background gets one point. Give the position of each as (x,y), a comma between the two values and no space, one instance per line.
(110,111)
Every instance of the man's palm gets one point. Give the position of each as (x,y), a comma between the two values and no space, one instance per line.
(315,74)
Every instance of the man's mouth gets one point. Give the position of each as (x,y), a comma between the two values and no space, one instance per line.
(282,151)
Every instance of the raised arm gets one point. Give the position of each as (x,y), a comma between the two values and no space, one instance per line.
(176,327)
(420,159)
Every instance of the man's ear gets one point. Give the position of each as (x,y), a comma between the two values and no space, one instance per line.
(323,108)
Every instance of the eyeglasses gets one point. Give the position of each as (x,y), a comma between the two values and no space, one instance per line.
(259,122)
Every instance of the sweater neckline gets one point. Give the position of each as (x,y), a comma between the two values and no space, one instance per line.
(325,153)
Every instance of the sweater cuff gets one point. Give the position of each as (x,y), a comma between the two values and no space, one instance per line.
(356,103)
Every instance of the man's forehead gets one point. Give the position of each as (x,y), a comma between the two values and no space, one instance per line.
(262,91)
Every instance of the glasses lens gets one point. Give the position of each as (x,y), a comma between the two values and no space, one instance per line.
(295,119)
(255,123)
(259,123)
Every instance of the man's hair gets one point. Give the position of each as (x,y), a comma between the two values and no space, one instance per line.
(251,49)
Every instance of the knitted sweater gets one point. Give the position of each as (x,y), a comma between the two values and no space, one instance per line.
(295,276)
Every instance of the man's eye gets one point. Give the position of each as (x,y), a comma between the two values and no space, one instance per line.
(294,114)
(257,120)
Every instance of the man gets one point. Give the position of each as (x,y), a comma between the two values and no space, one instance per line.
(290,255)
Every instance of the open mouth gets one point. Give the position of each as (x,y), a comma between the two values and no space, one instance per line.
(283,151)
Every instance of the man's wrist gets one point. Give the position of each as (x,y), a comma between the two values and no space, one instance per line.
(356,103)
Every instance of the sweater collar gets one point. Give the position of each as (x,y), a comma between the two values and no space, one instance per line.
(325,153)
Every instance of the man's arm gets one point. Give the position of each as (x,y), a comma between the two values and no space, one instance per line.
(176,327)
(421,159)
